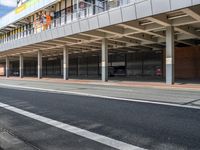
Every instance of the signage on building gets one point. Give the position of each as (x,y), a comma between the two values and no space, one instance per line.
(25,4)
(20,2)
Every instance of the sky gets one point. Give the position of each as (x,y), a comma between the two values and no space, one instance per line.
(6,6)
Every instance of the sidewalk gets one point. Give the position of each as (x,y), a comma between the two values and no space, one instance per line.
(158,92)
(159,85)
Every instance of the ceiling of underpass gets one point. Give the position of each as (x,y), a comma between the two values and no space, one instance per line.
(144,34)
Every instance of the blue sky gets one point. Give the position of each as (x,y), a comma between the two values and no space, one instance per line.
(6,6)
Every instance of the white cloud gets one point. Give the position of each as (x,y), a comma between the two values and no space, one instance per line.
(9,3)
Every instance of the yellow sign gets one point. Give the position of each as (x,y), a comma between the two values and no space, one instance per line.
(20,9)
(26,5)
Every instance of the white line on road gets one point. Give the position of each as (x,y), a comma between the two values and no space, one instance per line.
(75,130)
(18,87)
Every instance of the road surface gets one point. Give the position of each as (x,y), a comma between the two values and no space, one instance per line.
(142,125)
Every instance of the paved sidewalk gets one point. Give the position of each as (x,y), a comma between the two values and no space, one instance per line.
(156,92)
(179,85)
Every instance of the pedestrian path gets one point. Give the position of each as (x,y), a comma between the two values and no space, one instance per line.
(160,94)
(179,85)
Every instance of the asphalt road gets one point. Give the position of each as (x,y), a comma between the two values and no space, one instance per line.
(150,126)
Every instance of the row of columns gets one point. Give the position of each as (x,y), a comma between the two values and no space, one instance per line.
(104,53)
(21,66)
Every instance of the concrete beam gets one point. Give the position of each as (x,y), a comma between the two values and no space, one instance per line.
(193,12)
(142,37)
(189,30)
(161,19)
(164,21)
(136,26)
(126,40)
(95,34)
(113,30)
(80,37)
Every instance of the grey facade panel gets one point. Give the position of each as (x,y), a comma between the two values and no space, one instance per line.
(93,22)
(31,37)
(10,44)
(43,36)
(160,6)
(76,27)
(34,39)
(115,16)
(68,29)
(195,2)
(27,40)
(128,13)
(54,33)
(48,34)
(84,25)
(17,43)
(38,38)
(177,4)
(104,19)
(2,47)
(144,9)
(23,40)
(62,31)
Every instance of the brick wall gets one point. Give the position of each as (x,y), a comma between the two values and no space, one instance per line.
(187,62)
(1,70)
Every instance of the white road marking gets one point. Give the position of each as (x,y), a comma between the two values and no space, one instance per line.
(18,87)
(75,130)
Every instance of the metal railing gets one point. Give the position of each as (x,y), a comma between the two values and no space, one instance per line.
(87,11)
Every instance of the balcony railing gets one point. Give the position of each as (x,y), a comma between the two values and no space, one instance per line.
(87,11)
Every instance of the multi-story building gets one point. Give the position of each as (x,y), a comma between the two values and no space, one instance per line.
(95,39)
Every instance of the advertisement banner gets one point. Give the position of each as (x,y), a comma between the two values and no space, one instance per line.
(25,4)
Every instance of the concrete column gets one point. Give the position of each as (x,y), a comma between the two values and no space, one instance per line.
(104,60)
(170,55)
(65,64)
(39,64)
(7,67)
(21,66)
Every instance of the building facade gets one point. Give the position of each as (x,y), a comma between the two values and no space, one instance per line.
(94,39)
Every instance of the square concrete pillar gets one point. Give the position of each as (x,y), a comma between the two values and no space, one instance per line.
(65,64)
(104,60)
(170,55)
(21,66)
(39,64)
(7,67)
